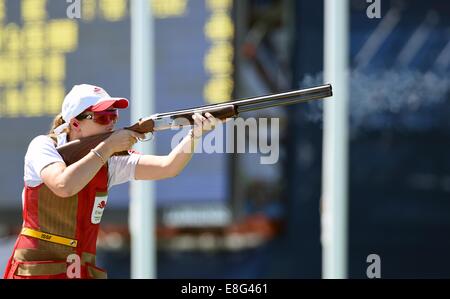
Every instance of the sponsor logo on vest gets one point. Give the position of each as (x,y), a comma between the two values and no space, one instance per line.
(102,205)
(45,236)
(97,209)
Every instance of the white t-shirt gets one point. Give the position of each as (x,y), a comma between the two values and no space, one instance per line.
(42,152)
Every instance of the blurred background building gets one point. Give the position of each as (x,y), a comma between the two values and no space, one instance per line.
(226,215)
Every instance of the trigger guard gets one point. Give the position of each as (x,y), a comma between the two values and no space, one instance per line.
(146,139)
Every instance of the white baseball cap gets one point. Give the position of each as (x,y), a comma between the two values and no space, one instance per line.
(83,97)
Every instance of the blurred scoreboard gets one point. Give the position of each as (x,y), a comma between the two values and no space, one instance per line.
(43,53)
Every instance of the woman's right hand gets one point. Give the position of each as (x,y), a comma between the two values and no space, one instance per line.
(122,140)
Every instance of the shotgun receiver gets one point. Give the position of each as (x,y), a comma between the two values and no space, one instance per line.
(77,149)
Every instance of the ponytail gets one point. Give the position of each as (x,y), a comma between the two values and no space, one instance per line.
(57,121)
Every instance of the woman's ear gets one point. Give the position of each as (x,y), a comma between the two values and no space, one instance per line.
(75,124)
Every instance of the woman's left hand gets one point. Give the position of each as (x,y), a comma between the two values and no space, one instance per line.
(203,124)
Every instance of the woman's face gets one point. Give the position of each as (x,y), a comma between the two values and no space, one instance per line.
(92,123)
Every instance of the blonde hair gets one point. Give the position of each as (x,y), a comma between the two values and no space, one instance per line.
(57,121)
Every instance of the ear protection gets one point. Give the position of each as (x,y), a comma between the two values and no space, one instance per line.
(75,125)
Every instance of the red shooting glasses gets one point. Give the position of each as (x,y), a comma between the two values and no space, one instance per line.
(101,117)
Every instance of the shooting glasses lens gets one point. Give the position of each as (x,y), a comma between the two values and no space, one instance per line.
(102,117)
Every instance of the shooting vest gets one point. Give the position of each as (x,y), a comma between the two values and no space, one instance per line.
(55,228)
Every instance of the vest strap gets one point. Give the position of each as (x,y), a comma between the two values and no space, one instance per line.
(49,237)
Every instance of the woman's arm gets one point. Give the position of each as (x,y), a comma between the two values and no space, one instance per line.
(66,181)
(152,167)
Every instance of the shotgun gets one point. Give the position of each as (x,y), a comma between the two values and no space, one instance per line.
(77,149)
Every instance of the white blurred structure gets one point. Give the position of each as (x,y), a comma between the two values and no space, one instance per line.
(335,141)
(142,217)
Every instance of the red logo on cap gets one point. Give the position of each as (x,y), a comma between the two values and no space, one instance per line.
(98,90)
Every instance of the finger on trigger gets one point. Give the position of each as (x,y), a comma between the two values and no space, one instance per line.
(139,135)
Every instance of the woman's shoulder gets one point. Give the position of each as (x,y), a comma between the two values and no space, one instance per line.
(42,139)
(40,143)
(41,152)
